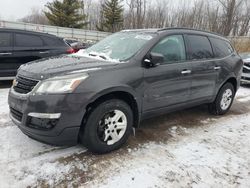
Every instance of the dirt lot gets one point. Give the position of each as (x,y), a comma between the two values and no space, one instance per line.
(183,149)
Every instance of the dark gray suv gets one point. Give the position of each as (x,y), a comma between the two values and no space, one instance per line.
(98,95)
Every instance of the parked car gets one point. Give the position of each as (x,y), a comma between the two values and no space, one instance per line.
(245,79)
(77,45)
(18,47)
(98,95)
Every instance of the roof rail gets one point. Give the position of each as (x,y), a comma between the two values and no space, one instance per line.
(191,29)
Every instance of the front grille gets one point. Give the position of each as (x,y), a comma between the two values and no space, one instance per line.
(246,68)
(24,85)
(245,78)
(16,114)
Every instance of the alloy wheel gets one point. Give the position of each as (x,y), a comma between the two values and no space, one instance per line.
(112,127)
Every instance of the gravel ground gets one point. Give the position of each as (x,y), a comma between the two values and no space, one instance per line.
(189,148)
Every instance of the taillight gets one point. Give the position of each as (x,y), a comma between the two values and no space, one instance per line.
(71,51)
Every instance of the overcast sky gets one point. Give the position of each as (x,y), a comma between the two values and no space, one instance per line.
(15,9)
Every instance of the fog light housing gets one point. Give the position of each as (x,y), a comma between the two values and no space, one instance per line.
(45,115)
(43,121)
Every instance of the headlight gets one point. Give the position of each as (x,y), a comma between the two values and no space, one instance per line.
(62,84)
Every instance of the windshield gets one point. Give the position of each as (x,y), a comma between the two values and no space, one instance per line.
(119,47)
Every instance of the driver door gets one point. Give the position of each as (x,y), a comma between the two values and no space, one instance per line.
(168,84)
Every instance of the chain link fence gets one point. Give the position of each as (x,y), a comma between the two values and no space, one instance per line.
(242,44)
(70,33)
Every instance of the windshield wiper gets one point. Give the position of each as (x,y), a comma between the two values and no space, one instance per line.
(101,56)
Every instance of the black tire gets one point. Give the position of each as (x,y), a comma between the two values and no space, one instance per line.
(215,107)
(89,136)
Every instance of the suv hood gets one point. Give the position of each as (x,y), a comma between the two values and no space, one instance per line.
(53,66)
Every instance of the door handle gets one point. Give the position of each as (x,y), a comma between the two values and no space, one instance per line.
(217,68)
(44,52)
(6,53)
(186,72)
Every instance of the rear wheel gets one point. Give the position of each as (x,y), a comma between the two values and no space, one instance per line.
(223,101)
(108,126)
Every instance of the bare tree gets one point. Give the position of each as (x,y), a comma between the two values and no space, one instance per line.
(227,17)
(244,20)
(230,10)
(35,16)
(136,13)
(93,12)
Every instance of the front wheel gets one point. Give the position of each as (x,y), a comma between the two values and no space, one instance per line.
(108,126)
(223,101)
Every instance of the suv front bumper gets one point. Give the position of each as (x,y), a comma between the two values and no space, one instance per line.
(245,78)
(53,119)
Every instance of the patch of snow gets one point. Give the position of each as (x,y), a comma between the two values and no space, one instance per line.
(97,56)
(24,161)
(217,158)
(243,92)
(213,155)
(3,101)
(245,99)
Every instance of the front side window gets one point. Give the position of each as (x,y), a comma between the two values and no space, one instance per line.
(5,39)
(200,47)
(23,40)
(172,48)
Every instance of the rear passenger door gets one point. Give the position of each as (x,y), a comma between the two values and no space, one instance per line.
(6,60)
(54,46)
(204,70)
(27,47)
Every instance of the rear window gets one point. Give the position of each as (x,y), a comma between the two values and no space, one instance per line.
(221,48)
(200,47)
(50,41)
(5,39)
(24,40)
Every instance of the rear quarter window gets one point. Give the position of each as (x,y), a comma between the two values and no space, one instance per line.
(50,41)
(221,48)
(200,47)
(24,40)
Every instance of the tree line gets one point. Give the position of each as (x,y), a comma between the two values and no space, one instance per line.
(227,17)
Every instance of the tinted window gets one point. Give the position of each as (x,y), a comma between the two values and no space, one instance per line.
(5,39)
(172,48)
(221,48)
(28,40)
(200,47)
(49,41)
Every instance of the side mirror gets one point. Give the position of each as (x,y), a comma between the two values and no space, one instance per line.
(153,59)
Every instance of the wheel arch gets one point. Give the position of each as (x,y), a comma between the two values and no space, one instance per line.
(125,94)
(231,80)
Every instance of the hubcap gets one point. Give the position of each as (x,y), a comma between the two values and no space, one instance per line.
(112,127)
(226,99)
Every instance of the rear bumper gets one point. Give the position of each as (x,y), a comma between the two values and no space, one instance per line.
(26,108)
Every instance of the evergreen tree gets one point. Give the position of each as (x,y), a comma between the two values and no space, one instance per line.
(111,16)
(66,13)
